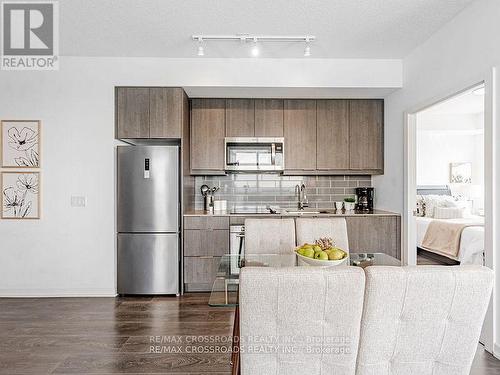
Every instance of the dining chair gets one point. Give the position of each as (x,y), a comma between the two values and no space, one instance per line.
(269,236)
(422,320)
(300,320)
(311,229)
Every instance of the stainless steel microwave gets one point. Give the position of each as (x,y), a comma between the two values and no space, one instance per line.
(254,154)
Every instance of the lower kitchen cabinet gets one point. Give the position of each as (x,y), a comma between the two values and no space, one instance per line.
(199,273)
(376,234)
(206,242)
(206,239)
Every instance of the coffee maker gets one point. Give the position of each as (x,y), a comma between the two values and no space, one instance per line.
(364,198)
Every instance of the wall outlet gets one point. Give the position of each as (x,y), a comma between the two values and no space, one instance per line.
(77,201)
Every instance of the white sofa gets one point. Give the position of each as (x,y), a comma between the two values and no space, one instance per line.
(405,320)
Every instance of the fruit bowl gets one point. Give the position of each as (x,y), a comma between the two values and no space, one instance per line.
(319,262)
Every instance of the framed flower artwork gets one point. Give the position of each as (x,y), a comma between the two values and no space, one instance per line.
(20,195)
(20,143)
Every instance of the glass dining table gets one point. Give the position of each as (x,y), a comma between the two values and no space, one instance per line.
(225,288)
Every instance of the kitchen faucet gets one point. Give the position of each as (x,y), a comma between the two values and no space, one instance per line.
(301,191)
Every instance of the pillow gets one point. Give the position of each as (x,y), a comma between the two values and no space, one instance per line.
(420,206)
(446,201)
(448,212)
(431,201)
(466,206)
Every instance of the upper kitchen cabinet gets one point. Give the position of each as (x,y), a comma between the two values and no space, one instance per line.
(269,118)
(366,139)
(132,112)
(150,113)
(254,118)
(165,112)
(208,129)
(300,135)
(240,118)
(332,152)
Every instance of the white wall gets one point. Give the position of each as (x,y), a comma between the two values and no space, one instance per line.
(436,150)
(459,55)
(71,251)
(445,138)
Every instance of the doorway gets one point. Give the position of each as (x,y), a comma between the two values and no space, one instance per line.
(491,237)
(450,180)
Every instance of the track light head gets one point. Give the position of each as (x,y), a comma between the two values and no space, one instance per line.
(201,51)
(255,49)
(307,50)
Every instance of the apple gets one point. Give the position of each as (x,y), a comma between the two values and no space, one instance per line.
(317,249)
(323,256)
(336,254)
(309,252)
(301,251)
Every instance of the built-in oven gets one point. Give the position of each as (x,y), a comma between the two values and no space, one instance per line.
(237,246)
(247,154)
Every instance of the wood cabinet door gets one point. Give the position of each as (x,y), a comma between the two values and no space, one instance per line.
(166,112)
(377,234)
(132,112)
(366,147)
(207,136)
(269,118)
(332,134)
(300,134)
(240,118)
(201,270)
(206,242)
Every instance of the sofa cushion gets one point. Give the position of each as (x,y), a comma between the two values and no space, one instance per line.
(422,320)
(300,320)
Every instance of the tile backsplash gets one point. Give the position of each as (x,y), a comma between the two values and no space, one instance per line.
(261,190)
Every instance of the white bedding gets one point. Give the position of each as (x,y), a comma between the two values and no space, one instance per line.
(471,243)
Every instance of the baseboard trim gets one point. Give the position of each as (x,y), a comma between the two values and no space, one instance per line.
(41,293)
(496,351)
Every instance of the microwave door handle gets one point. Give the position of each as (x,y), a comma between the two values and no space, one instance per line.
(273,154)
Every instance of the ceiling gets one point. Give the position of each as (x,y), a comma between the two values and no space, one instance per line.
(162,28)
(470,102)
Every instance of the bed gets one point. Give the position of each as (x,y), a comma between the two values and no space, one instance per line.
(471,247)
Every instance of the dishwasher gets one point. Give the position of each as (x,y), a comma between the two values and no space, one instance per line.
(236,246)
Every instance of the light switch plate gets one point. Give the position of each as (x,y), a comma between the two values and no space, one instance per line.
(77,201)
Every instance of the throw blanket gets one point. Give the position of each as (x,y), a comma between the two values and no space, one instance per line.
(444,237)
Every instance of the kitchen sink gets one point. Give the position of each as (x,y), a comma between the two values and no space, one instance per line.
(302,212)
(310,212)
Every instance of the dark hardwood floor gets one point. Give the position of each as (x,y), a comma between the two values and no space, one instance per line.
(158,335)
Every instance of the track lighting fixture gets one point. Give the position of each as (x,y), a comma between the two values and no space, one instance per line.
(255,39)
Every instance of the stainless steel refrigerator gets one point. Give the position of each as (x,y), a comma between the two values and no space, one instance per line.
(148,222)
